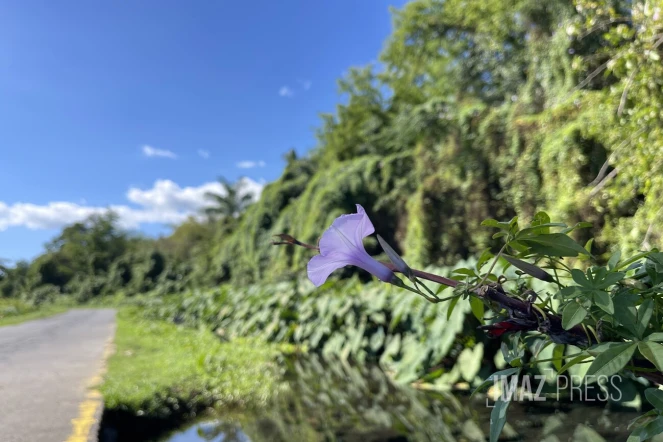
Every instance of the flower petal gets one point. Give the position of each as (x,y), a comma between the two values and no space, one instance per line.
(320,267)
(365,261)
(346,232)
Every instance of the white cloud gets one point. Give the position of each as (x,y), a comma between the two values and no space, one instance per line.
(250,164)
(150,151)
(203,153)
(306,84)
(285,91)
(164,203)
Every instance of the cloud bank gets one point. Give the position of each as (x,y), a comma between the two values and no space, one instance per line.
(165,203)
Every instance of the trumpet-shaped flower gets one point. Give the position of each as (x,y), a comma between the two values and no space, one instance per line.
(342,245)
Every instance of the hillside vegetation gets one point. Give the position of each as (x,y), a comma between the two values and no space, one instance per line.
(476,110)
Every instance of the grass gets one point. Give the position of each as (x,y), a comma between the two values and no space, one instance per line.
(13,311)
(160,369)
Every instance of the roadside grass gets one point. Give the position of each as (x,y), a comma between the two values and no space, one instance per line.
(14,311)
(160,369)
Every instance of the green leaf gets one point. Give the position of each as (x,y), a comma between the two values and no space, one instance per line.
(625,312)
(543,229)
(569,291)
(496,224)
(540,218)
(655,397)
(581,279)
(554,244)
(604,301)
(528,268)
(653,352)
(477,308)
(614,260)
(597,349)
(644,315)
(518,246)
(486,255)
(580,225)
(612,360)
(588,246)
(610,279)
(655,337)
(576,360)
(466,272)
(513,352)
(493,377)
(377,339)
(572,315)
(558,354)
(632,259)
(498,418)
(451,307)
(643,419)
(648,431)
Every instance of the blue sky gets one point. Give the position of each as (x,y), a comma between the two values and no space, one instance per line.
(140,105)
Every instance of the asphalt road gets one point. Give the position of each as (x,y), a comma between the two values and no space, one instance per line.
(45,369)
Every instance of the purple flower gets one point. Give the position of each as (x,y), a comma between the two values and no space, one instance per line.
(342,245)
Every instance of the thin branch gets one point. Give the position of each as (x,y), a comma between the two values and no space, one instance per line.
(603,182)
(629,83)
(604,168)
(427,276)
(289,240)
(604,24)
(591,76)
(658,43)
(645,242)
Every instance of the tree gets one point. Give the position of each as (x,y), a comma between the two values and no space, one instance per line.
(90,246)
(232,202)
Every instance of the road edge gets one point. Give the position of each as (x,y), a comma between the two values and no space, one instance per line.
(85,427)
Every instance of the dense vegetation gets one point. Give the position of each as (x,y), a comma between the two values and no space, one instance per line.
(478,109)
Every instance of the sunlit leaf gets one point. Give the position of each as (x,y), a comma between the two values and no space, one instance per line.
(478,307)
(496,224)
(465,272)
(655,337)
(653,351)
(486,255)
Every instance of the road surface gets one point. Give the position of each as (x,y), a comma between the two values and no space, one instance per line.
(46,367)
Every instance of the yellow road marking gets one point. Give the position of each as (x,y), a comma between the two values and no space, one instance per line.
(89,410)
